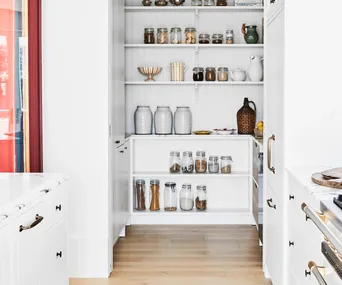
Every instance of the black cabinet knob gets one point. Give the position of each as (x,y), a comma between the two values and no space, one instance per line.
(117,142)
(291,243)
(291,197)
(307,272)
(59,254)
(59,208)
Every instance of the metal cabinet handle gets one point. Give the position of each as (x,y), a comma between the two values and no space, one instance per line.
(291,243)
(121,151)
(314,269)
(35,223)
(291,197)
(46,191)
(269,203)
(59,254)
(318,220)
(269,153)
(117,142)
(59,208)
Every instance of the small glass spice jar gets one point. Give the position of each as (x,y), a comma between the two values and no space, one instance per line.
(198,74)
(154,195)
(222,74)
(201,198)
(229,37)
(217,39)
(196,2)
(176,36)
(209,2)
(170,197)
(186,198)
(190,35)
(210,74)
(201,162)
(187,162)
(226,164)
(175,162)
(149,36)
(140,200)
(213,165)
(204,39)
(162,36)
(221,3)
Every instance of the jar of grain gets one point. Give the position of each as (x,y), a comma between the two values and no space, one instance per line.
(175,162)
(209,2)
(201,162)
(222,74)
(186,198)
(213,165)
(217,39)
(140,195)
(187,162)
(229,37)
(149,36)
(196,2)
(210,74)
(162,36)
(190,35)
(204,39)
(226,164)
(170,197)
(176,35)
(201,198)
(154,195)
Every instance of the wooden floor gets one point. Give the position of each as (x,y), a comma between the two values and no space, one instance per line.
(186,255)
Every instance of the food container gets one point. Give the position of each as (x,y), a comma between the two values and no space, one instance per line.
(183,121)
(217,39)
(198,74)
(222,74)
(204,39)
(162,36)
(213,165)
(149,36)
(143,120)
(190,35)
(201,198)
(177,70)
(186,198)
(140,199)
(176,35)
(201,162)
(175,162)
(229,37)
(163,120)
(161,3)
(154,195)
(210,74)
(226,164)
(196,2)
(187,162)
(209,2)
(221,3)
(170,197)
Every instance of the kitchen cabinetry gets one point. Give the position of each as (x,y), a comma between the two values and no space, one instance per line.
(6,277)
(273,7)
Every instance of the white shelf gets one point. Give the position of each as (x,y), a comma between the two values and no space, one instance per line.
(193,8)
(194,83)
(165,174)
(192,212)
(214,46)
(190,137)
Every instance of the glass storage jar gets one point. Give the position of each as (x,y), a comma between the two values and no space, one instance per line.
(196,2)
(187,162)
(210,74)
(162,36)
(201,198)
(175,162)
(149,36)
(221,3)
(229,37)
(198,74)
(226,164)
(140,204)
(170,197)
(154,195)
(209,2)
(201,162)
(222,74)
(204,39)
(176,35)
(186,198)
(217,39)
(190,35)
(213,165)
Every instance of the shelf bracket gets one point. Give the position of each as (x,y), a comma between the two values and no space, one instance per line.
(196,94)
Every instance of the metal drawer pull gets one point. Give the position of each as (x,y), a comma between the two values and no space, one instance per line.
(314,269)
(35,223)
(59,254)
(59,208)
(269,153)
(269,203)
(46,191)
(318,220)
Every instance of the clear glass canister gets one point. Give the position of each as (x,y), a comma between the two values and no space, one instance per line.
(213,165)
(210,74)
(186,198)
(196,2)
(217,39)
(222,74)
(176,36)
(201,162)
(175,162)
(204,39)
(154,195)
(162,36)
(170,197)
(190,35)
(201,198)
(140,204)
(226,164)
(149,36)
(209,2)
(229,37)
(187,162)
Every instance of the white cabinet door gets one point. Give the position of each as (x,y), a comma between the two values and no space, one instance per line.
(273,7)
(6,276)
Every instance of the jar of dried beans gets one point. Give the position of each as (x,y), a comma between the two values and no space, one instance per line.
(190,35)
(175,162)
(204,39)
(170,197)
(217,39)
(201,162)
(176,35)
(186,198)
(201,198)
(226,164)
(187,162)
(162,36)
(140,195)
(149,36)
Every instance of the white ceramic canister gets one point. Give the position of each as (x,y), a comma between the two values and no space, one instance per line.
(183,121)
(143,120)
(163,120)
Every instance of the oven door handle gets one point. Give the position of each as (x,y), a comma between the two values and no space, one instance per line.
(314,269)
(318,220)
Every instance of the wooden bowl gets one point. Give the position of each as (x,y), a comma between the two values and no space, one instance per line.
(150,72)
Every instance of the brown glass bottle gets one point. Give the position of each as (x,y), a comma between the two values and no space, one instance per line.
(246,118)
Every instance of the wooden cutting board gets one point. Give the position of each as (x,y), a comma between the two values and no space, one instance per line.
(330,178)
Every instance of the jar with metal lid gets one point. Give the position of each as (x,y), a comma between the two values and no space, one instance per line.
(176,36)
(221,3)
(201,198)
(196,2)
(170,197)
(210,74)
(186,198)
(162,36)
(204,39)
(198,74)
(175,162)
(201,162)
(217,39)
(190,35)
(226,164)
(154,195)
(149,36)
(187,162)
(222,74)
(213,165)
(140,201)
(209,2)
(229,37)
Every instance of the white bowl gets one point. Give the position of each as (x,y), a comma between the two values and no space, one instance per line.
(225,131)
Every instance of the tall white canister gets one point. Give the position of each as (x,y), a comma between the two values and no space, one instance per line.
(163,120)
(143,120)
(183,121)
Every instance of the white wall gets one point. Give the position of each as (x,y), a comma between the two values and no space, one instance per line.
(75,122)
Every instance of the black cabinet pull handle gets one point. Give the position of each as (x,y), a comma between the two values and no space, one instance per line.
(37,221)
(117,142)
(291,197)
(272,1)
(269,203)
(59,208)
(307,272)
(291,243)
(59,254)
(46,191)
(121,151)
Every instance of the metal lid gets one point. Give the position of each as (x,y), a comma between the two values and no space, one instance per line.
(210,69)
(140,181)
(213,157)
(145,107)
(202,187)
(200,153)
(162,30)
(175,153)
(204,36)
(230,32)
(182,107)
(149,30)
(186,186)
(198,69)
(187,153)
(163,107)
(217,36)
(154,182)
(176,29)
(223,69)
(170,184)
(190,29)
(226,158)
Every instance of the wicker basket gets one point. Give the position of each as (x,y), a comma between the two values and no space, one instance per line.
(246,118)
